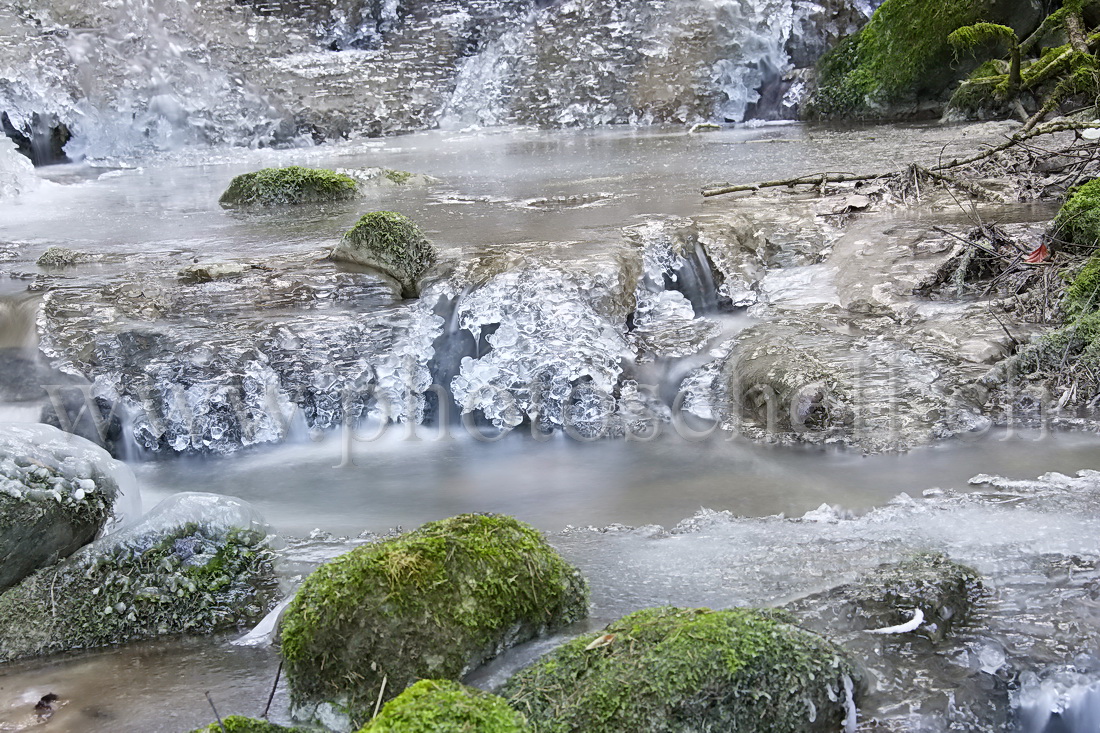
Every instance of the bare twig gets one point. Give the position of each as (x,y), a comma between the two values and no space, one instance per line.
(275,686)
(215,709)
(381,695)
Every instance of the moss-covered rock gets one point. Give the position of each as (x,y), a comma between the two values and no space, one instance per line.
(1078,221)
(443,706)
(197,563)
(431,604)
(241,724)
(392,244)
(903,55)
(56,493)
(982,94)
(945,592)
(1083,294)
(291,185)
(679,670)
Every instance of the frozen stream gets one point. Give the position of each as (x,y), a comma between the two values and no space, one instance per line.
(574,190)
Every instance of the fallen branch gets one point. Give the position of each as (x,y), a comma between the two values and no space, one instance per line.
(815,179)
(935,172)
(1020,137)
(971,188)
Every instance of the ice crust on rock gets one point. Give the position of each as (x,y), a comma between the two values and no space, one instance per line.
(76,467)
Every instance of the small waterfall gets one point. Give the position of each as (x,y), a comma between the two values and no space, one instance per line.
(42,138)
(584,63)
(1064,701)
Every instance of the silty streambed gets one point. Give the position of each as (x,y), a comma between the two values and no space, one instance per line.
(571,194)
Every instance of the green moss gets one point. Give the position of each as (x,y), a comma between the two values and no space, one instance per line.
(391,243)
(902,54)
(983,91)
(430,604)
(241,724)
(678,670)
(291,185)
(399,177)
(1083,294)
(443,706)
(191,580)
(1078,221)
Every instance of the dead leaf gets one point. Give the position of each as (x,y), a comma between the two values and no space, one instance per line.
(1037,255)
(600,642)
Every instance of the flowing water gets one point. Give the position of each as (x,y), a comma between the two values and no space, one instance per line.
(579,196)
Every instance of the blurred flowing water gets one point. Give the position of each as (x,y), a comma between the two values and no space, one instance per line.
(166,101)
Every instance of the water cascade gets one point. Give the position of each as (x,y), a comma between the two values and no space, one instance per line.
(150,75)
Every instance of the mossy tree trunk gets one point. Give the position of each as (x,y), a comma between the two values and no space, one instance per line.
(1075,30)
(1015,73)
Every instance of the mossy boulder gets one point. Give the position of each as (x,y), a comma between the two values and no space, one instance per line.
(902,56)
(945,592)
(197,563)
(432,604)
(443,706)
(982,95)
(241,724)
(56,494)
(675,670)
(391,243)
(290,185)
(1078,221)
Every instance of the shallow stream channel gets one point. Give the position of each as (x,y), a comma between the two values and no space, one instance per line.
(572,362)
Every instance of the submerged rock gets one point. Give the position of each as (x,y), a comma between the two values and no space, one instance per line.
(942,590)
(434,603)
(56,494)
(210,271)
(443,706)
(55,256)
(291,185)
(674,669)
(197,563)
(392,244)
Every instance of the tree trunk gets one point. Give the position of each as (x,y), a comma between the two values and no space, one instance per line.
(1075,29)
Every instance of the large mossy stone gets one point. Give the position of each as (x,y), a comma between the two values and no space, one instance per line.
(432,604)
(1078,221)
(674,670)
(902,56)
(197,563)
(291,185)
(391,243)
(443,706)
(943,590)
(56,493)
